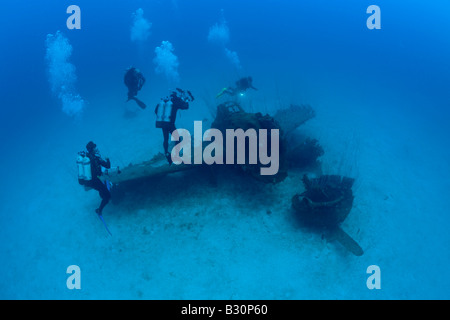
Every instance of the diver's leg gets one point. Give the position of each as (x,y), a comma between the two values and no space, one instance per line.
(104,194)
(139,102)
(165,131)
(172,128)
(231,91)
(131,94)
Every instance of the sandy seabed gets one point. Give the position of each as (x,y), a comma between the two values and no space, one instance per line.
(187,236)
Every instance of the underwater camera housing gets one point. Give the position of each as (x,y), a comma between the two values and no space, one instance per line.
(184,95)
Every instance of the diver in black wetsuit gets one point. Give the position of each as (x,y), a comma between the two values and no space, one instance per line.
(241,86)
(96,168)
(166,113)
(134,80)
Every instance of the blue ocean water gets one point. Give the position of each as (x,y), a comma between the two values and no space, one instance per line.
(382,117)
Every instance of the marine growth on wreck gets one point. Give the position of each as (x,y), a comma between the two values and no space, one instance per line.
(327,199)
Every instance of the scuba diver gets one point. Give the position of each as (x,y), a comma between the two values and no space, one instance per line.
(90,169)
(241,86)
(134,80)
(166,113)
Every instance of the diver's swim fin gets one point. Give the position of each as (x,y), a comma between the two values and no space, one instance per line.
(169,158)
(139,102)
(221,92)
(104,223)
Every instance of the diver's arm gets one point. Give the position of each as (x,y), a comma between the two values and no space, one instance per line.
(106,164)
(141,81)
(231,91)
(180,103)
(183,105)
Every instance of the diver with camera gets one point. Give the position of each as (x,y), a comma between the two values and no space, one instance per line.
(166,113)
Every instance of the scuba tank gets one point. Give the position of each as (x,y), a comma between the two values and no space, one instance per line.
(84,168)
(80,166)
(87,168)
(163,111)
